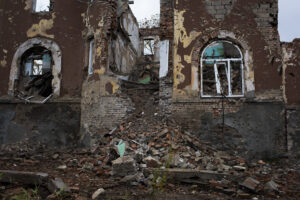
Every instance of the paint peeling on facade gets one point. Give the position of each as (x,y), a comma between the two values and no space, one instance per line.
(96,48)
(41,28)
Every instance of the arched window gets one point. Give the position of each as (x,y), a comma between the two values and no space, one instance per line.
(36,69)
(222,70)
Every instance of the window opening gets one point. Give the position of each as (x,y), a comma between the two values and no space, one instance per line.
(36,77)
(148,47)
(42,5)
(222,70)
(91,54)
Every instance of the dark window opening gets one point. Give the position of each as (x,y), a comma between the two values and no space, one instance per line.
(36,77)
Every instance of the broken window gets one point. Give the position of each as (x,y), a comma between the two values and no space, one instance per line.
(36,77)
(91,54)
(222,70)
(42,6)
(148,47)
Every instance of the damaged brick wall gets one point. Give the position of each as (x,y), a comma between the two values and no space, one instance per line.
(62,25)
(291,72)
(196,25)
(291,85)
(103,104)
(167,33)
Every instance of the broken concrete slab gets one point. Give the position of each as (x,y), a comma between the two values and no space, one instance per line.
(271,186)
(250,183)
(201,175)
(124,166)
(151,162)
(28,178)
(56,185)
(33,178)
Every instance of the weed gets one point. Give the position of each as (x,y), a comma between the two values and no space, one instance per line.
(27,195)
(61,194)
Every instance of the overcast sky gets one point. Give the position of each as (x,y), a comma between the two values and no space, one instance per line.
(289,14)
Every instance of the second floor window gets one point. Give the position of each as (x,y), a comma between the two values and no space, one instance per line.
(42,6)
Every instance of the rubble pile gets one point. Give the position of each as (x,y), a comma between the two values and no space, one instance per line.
(150,151)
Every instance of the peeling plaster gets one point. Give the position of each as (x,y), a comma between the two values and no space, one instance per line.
(287,55)
(100,71)
(3,62)
(41,28)
(115,86)
(181,36)
(28,4)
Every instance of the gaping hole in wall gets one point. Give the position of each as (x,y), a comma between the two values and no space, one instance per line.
(222,70)
(91,54)
(42,6)
(149,47)
(36,72)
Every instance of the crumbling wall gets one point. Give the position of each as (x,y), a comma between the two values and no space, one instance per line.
(125,44)
(103,105)
(166,36)
(291,85)
(291,72)
(62,25)
(196,25)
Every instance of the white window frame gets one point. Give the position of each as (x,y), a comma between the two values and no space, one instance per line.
(91,54)
(229,68)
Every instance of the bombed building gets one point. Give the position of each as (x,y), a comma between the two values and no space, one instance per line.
(219,67)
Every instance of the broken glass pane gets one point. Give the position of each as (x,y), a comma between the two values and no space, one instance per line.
(42,6)
(222,77)
(236,78)
(221,50)
(37,67)
(209,82)
(46,63)
(28,68)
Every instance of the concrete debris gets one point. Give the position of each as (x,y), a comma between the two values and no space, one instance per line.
(124,166)
(97,193)
(28,178)
(62,167)
(271,186)
(239,168)
(251,184)
(56,185)
(151,162)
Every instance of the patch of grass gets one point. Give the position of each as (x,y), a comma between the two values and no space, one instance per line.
(160,179)
(27,195)
(61,194)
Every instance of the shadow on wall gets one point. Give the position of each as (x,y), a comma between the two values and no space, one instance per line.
(50,124)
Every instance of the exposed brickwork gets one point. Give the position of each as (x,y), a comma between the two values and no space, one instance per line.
(219,8)
(291,72)
(166,19)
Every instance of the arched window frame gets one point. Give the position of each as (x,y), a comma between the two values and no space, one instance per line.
(226,60)
(56,67)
